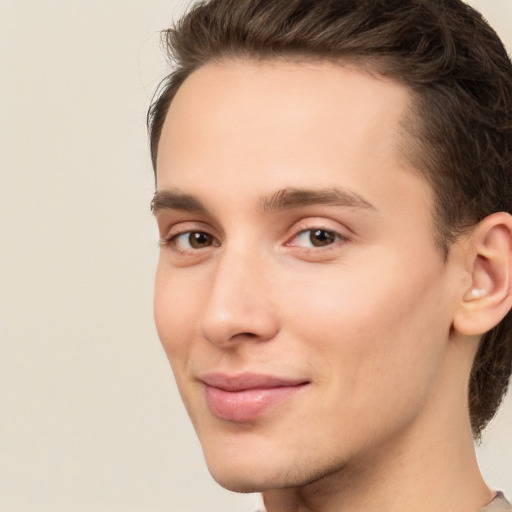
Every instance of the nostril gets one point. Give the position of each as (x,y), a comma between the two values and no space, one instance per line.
(245,335)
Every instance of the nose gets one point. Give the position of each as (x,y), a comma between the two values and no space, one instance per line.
(239,305)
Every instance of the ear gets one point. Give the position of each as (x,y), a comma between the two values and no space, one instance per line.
(488,299)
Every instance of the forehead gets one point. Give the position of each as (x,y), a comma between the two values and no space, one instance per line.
(265,126)
(280,102)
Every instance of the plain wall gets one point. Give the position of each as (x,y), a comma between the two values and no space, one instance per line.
(90,419)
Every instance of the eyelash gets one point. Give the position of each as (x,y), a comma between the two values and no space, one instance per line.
(332,237)
(172,240)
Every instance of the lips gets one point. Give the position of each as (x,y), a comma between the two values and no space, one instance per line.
(245,397)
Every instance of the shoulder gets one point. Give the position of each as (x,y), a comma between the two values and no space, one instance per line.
(498,504)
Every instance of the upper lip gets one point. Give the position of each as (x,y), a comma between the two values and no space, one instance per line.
(246,381)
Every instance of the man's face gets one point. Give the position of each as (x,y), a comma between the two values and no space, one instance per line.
(300,297)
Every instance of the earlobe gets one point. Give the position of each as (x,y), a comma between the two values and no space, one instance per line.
(489,262)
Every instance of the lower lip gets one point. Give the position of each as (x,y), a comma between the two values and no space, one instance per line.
(249,404)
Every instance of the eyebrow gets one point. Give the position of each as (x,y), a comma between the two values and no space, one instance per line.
(170,200)
(284,199)
(289,198)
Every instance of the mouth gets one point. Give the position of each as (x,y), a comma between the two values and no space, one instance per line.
(245,397)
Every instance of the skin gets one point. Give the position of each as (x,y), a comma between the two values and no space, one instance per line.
(366,319)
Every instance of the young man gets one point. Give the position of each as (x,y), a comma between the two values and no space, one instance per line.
(333,195)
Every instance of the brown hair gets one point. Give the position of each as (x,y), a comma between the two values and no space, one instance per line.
(461,80)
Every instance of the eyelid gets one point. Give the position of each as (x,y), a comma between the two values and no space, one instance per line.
(186,227)
(318,253)
(338,238)
(173,240)
(170,229)
(317,223)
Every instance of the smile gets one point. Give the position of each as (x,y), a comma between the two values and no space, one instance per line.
(245,397)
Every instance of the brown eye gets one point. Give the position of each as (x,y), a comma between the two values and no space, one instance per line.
(199,240)
(191,240)
(321,237)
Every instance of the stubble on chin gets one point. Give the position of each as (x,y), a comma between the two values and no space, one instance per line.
(304,474)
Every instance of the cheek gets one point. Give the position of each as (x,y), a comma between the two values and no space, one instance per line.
(378,326)
(175,308)
(364,340)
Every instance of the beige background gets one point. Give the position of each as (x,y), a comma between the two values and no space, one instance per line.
(89,417)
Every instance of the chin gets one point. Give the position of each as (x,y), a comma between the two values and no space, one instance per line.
(249,458)
(256,481)
(250,473)
(236,484)
(237,474)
